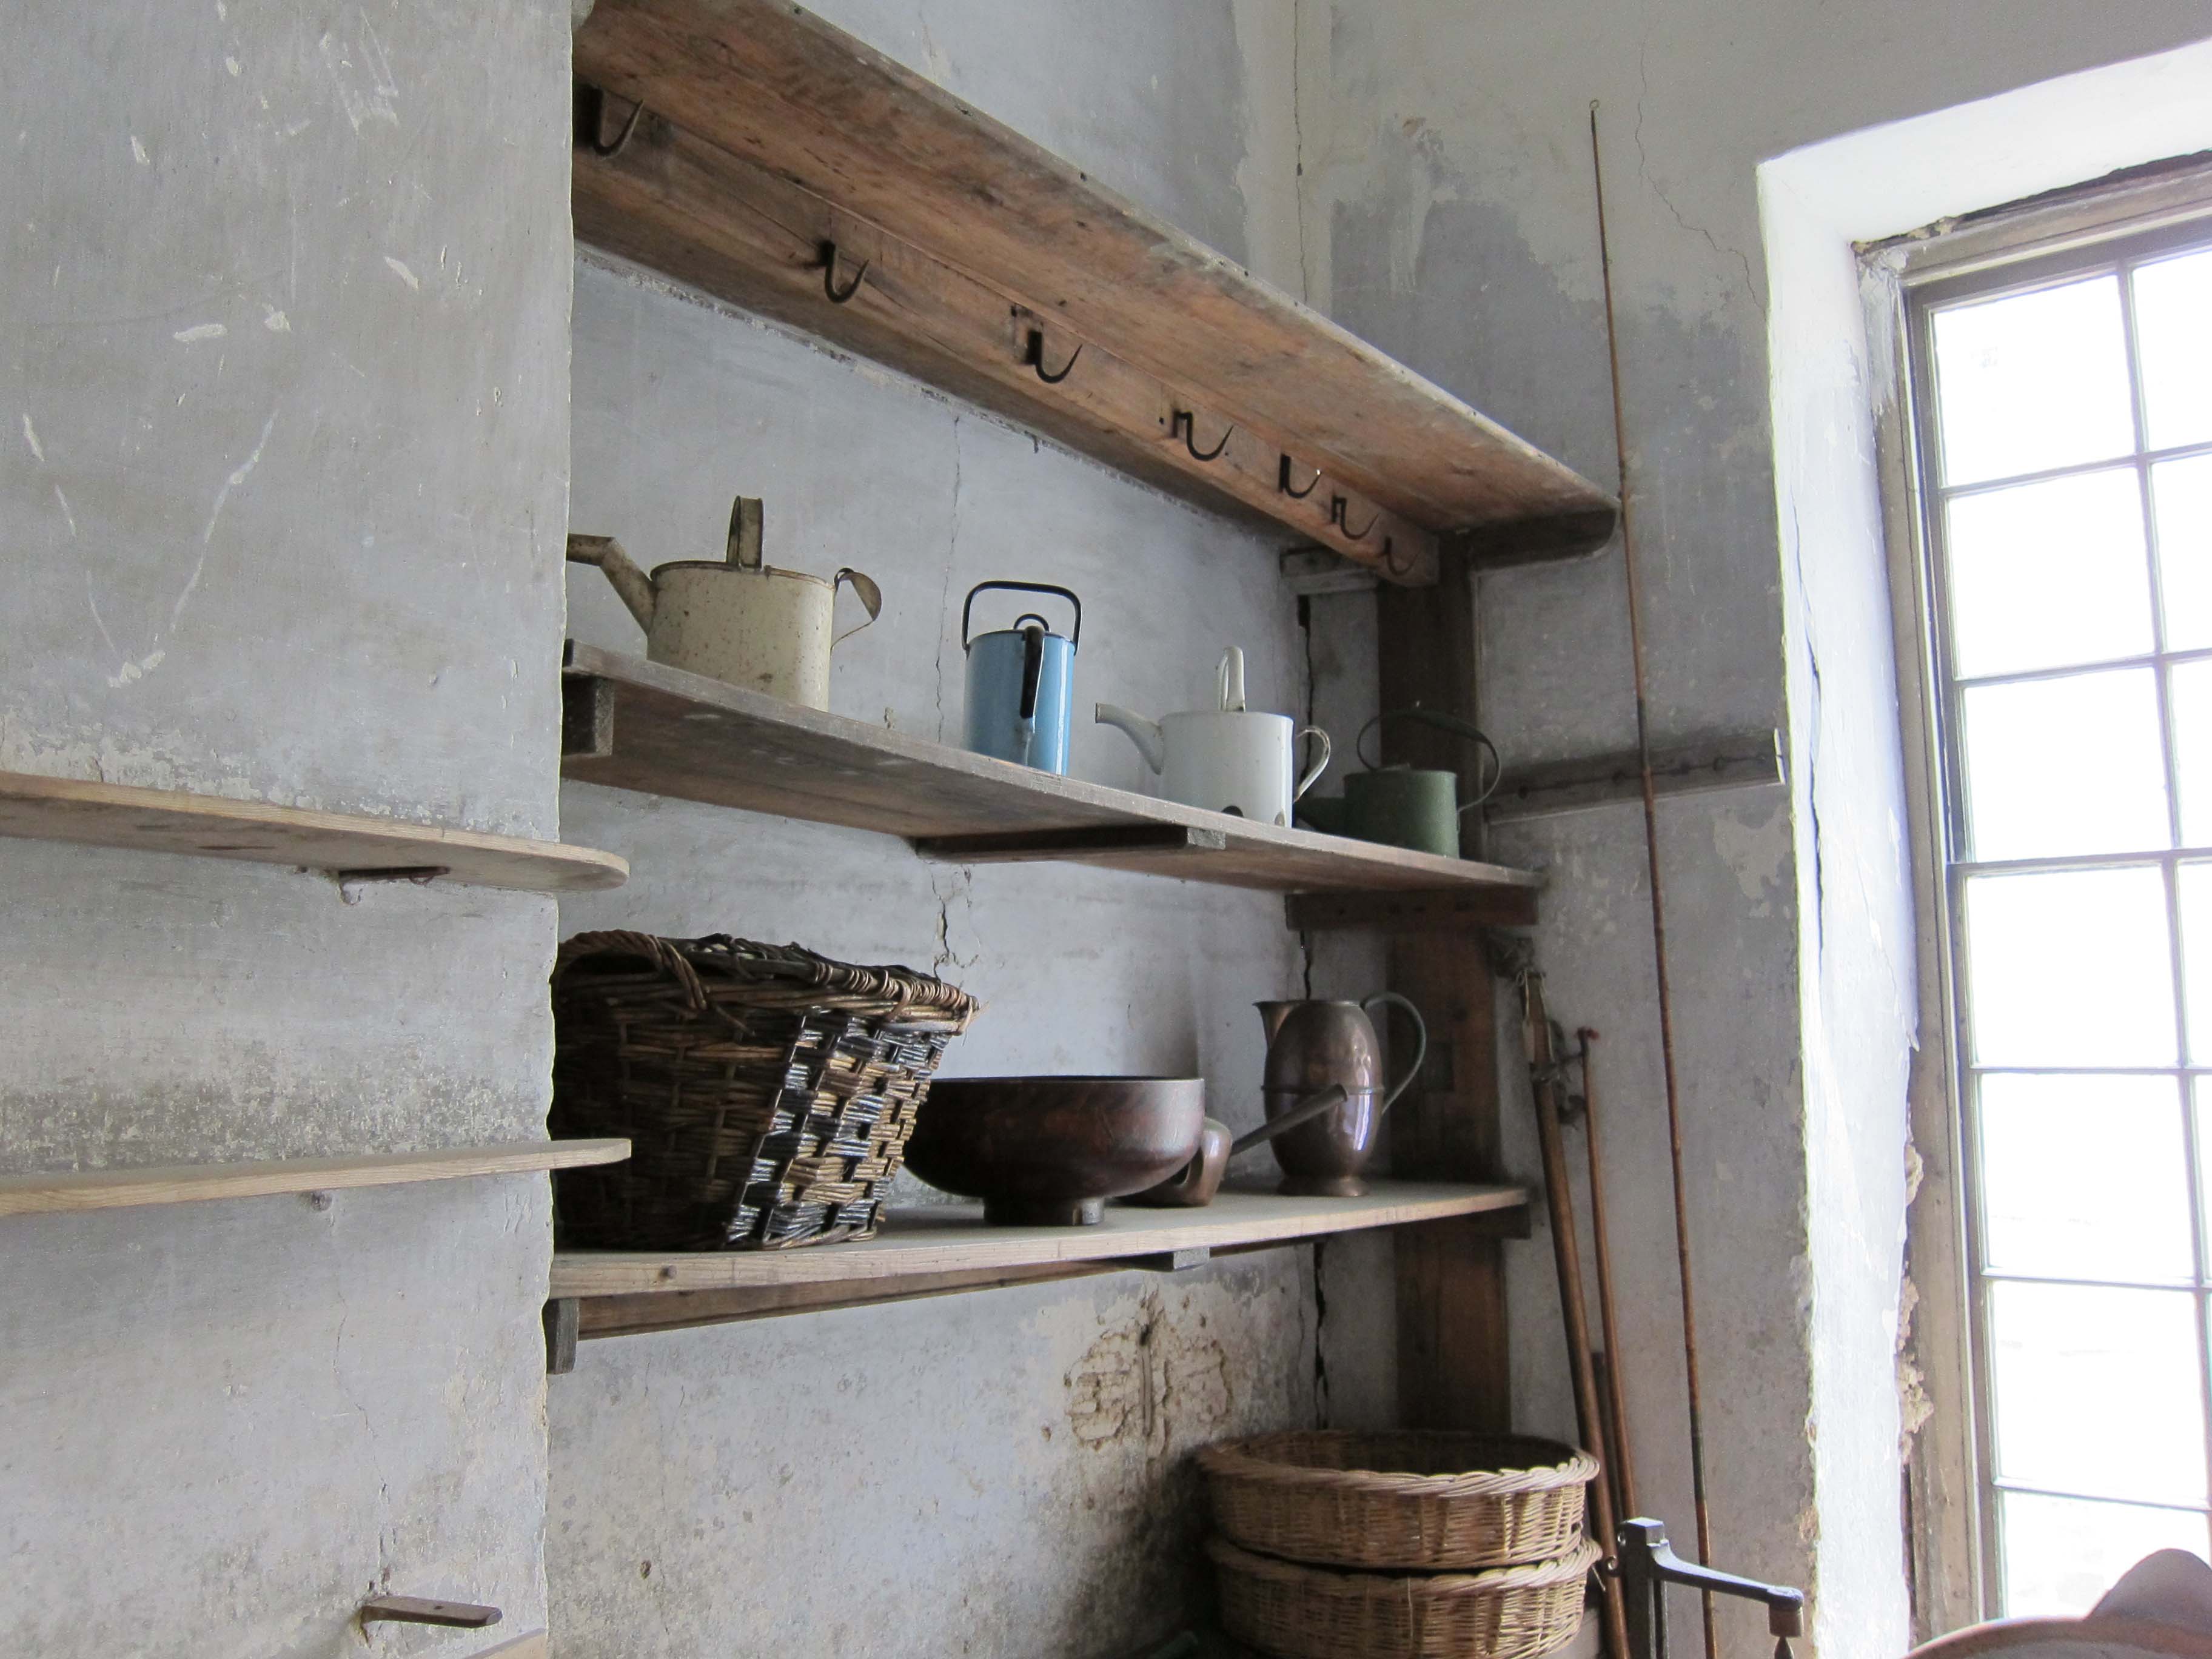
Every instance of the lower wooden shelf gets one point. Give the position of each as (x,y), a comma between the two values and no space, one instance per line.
(191,1183)
(933,1250)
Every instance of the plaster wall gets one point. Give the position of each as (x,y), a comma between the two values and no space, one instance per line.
(1449,219)
(282,489)
(1002,1474)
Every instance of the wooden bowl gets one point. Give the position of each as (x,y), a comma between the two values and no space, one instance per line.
(1050,1150)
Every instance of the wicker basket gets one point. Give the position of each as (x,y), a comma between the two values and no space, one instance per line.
(1424,1501)
(767,1092)
(1315,1612)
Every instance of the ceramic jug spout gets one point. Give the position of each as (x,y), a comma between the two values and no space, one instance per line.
(631,585)
(1152,742)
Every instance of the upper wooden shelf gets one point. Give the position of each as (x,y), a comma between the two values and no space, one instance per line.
(191,1183)
(929,1240)
(38,808)
(778,155)
(636,725)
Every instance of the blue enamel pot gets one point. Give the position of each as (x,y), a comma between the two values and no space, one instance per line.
(1021,682)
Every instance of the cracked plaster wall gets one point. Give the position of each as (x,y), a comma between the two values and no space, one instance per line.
(1449,218)
(1018,1485)
(282,483)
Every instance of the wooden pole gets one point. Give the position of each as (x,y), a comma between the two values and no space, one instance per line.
(1566,1249)
(1695,1388)
(1624,1467)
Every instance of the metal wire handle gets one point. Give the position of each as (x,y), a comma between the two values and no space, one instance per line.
(1442,722)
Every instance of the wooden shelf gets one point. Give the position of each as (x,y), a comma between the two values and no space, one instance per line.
(193,1183)
(771,136)
(37,808)
(635,725)
(942,1249)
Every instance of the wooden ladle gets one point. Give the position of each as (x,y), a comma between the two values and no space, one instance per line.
(1194,1186)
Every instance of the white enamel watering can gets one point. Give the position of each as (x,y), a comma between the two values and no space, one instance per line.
(1226,759)
(735,619)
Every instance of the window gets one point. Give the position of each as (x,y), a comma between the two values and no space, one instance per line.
(2064,419)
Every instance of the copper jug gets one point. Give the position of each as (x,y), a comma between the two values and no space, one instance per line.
(1312,1045)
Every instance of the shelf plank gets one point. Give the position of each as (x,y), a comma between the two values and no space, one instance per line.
(679,205)
(193,1183)
(636,725)
(772,133)
(39,808)
(926,1242)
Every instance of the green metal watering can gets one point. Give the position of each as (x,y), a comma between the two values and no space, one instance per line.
(1416,807)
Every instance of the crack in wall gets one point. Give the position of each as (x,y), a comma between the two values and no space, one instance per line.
(1321,1326)
(952,562)
(1643,171)
(1811,759)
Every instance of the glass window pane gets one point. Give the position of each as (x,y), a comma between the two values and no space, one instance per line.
(2061,1554)
(2190,689)
(2196,895)
(2046,575)
(2098,1391)
(2181,496)
(2033,381)
(2173,334)
(2203,1105)
(2065,766)
(2070,969)
(2084,1177)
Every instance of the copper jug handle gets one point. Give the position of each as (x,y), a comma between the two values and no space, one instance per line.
(1420,1046)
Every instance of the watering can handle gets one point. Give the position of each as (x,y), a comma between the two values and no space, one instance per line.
(1442,722)
(1312,775)
(745,525)
(1032,666)
(871,598)
(1420,1046)
(967,611)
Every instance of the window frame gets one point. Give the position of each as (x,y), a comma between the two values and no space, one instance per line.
(1949,1498)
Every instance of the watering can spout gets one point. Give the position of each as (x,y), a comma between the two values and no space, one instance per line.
(631,585)
(1152,742)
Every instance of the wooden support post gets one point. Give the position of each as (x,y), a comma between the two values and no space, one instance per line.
(1453,1370)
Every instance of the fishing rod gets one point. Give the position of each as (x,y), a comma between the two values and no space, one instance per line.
(1658,901)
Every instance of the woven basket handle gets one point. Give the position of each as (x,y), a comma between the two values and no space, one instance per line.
(662,953)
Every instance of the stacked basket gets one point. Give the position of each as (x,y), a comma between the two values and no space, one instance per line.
(1408,1546)
(767,1092)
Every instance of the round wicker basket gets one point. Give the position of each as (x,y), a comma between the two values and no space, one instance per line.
(1427,1501)
(1315,1612)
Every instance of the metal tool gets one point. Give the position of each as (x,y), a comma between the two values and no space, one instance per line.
(1194,1186)
(1620,1465)
(1566,1249)
(1648,1564)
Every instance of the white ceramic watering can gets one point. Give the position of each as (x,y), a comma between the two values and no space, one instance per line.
(1225,759)
(735,619)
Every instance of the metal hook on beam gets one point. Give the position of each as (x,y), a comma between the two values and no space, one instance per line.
(1283,481)
(1185,426)
(590,105)
(828,252)
(1336,516)
(622,138)
(1034,358)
